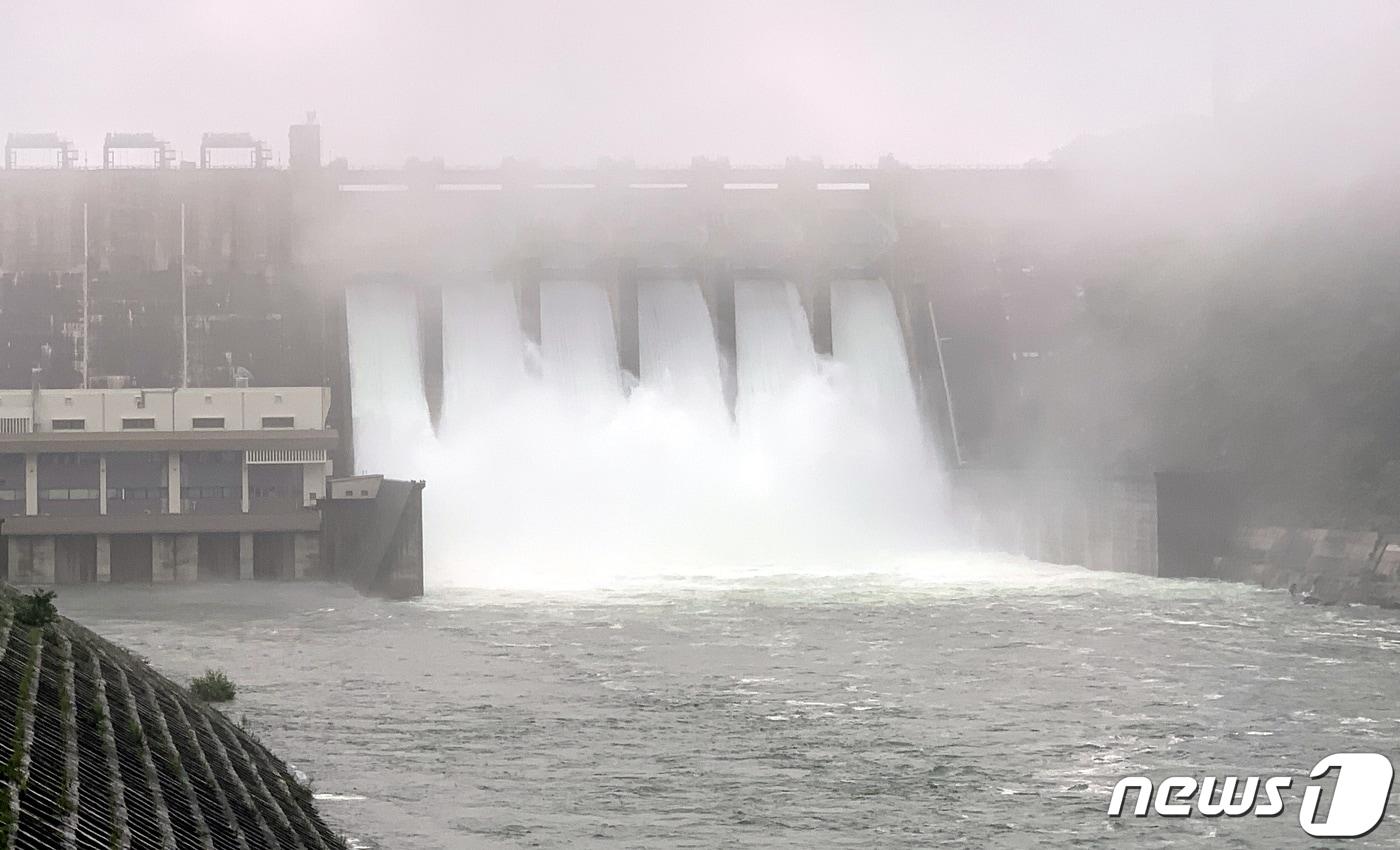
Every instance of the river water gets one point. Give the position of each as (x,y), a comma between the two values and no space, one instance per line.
(971,702)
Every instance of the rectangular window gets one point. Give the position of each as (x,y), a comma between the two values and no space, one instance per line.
(63,494)
(208,493)
(277,421)
(139,494)
(138,424)
(208,422)
(70,424)
(9,496)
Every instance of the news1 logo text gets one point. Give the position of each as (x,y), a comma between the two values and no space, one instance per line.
(1360,791)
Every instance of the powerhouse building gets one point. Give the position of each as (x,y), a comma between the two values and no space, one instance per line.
(123,485)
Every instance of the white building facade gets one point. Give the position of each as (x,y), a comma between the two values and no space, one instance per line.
(136,485)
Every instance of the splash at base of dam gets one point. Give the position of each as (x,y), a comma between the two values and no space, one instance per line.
(553,466)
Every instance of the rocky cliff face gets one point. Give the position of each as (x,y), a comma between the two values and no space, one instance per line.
(100,751)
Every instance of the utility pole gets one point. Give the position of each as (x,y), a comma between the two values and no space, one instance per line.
(184,311)
(86,309)
(947,391)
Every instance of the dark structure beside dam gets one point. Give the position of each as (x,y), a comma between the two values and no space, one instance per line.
(103,752)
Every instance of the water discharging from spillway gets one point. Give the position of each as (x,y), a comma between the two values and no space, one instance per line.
(393,430)
(553,468)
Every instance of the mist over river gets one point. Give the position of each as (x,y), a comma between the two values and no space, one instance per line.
(970,701)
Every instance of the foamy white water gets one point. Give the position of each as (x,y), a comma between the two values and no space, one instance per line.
(679,358)
(578,343)
(393,429)
(556,478)
(776,359)
(867,339)
(483,351)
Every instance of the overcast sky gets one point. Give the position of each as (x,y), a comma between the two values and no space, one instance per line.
(659,81)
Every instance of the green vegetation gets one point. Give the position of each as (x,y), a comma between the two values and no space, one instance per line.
(36,609)
(213,686)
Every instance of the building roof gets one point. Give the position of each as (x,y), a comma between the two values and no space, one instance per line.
(195,418)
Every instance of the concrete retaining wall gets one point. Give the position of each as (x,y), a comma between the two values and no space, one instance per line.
(1330,565)
(1129,525)
(1099,523)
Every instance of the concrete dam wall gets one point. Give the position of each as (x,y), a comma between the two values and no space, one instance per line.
(1172,526)
(166,276)
(1099,522)
(98,266)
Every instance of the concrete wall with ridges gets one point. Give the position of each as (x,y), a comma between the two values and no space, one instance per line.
(1099,523)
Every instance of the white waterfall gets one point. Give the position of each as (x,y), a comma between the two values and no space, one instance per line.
(483,351)
(679,358)
(558,476)
(578,344)
(867,339)
(393,430)
(773,343)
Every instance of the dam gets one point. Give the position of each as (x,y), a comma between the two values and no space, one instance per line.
(805,357)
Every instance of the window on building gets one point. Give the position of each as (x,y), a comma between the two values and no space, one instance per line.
(67,494)
(209,493)
(10,496)
(278,421)
(68,459)
(131,424)
(70,424)
(138,494)
(208,422)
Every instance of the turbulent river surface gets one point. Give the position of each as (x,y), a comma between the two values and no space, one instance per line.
(973,703)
